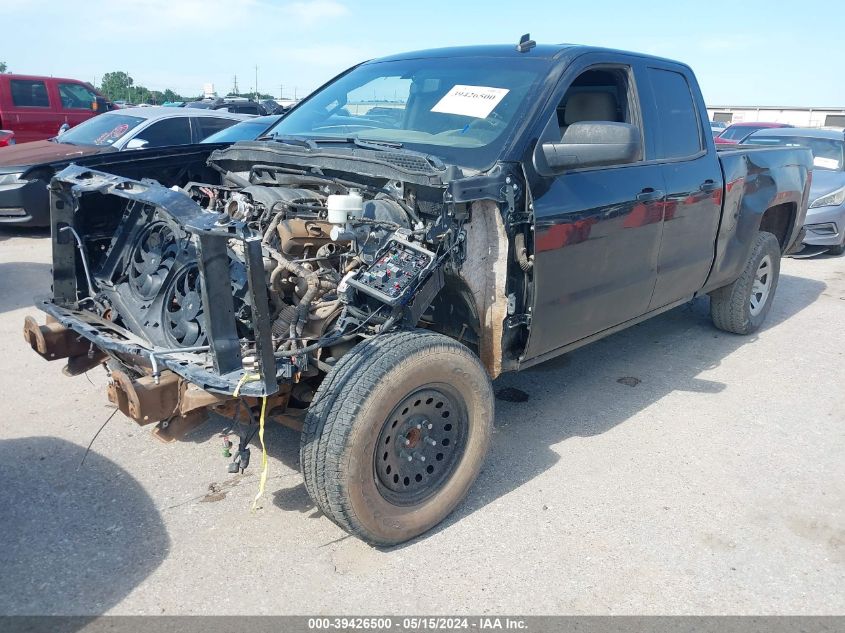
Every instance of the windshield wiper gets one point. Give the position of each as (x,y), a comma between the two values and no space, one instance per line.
(313,143)
(380,146)
(383,146)
(289,140)
(371,144)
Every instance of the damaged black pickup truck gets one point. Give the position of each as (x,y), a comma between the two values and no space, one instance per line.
(414,228)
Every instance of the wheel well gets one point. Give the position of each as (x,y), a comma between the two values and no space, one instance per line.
(453,314)
(778,220)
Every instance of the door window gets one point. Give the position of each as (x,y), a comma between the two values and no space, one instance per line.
(175,131)
(29,93)
(678,121)
(76,97)
(208,125)
(604,93)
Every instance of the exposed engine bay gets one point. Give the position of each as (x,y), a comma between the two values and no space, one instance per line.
(256,285)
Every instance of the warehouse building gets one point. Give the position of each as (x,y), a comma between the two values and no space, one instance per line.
(799,117)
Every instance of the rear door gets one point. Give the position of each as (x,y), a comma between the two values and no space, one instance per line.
(205,126)
(30,115)
(693,178)
(597,230)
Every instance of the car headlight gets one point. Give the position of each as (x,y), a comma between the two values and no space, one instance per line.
(8,179)
(832,199)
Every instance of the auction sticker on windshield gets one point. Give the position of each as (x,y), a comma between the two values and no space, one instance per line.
(474,101)
(825,163)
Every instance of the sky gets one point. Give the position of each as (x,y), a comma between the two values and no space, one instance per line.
(743,52)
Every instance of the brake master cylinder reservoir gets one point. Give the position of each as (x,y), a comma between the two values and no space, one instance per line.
(343,206)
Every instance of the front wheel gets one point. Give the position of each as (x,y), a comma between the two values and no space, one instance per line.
(397,434)
(741,307)
(837,250)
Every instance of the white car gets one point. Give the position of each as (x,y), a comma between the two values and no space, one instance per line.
(134,128)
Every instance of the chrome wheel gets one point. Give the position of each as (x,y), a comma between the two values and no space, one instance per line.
(762,286)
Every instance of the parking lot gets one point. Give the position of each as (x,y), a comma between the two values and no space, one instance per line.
(671,468)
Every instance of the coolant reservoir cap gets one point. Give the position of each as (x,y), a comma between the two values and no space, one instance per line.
(341,206)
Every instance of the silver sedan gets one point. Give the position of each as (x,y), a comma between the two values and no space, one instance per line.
(825,223)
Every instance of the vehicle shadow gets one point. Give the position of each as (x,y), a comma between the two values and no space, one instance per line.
(21,282)
(8,232)
(593,389)
(282,445)
(584,393)
(77,540)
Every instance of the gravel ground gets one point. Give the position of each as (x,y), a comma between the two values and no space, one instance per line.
(670,468)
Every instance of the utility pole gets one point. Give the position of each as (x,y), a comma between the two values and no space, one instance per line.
(256,82)
(235,86)
(281,91)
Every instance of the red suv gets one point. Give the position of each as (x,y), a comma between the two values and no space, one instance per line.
(34,108)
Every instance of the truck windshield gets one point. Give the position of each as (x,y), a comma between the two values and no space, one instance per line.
(827,153)
(101,130)
(461,111)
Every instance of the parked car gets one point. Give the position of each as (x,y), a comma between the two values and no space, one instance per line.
(7,137)
(34,108)
(26,168)
(271,107)
(738,132)
(242,107)
(363,280)
(239,105)
(825,223)
(248,130)
(717,127)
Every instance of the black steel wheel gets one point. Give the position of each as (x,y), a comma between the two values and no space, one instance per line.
(396,435)
(420,443)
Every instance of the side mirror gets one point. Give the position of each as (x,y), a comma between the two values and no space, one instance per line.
(593,144)
(136,143)
(99,104)
(65,127)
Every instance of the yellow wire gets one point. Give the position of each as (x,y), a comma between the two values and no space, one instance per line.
(245,379)
(264,464)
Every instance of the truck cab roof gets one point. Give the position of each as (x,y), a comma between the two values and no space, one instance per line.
(551,52)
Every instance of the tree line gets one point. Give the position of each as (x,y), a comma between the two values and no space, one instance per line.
(119,86)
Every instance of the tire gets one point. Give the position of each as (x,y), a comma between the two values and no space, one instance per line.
(837,250)
(412,393)
(741,307)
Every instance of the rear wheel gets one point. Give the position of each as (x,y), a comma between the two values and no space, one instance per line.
(742,306)
(397,434)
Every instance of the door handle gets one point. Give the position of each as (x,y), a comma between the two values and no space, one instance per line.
(650,194)
(708,185)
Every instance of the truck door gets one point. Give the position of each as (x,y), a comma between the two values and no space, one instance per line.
(597,230)
(693,180)
(76,102)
